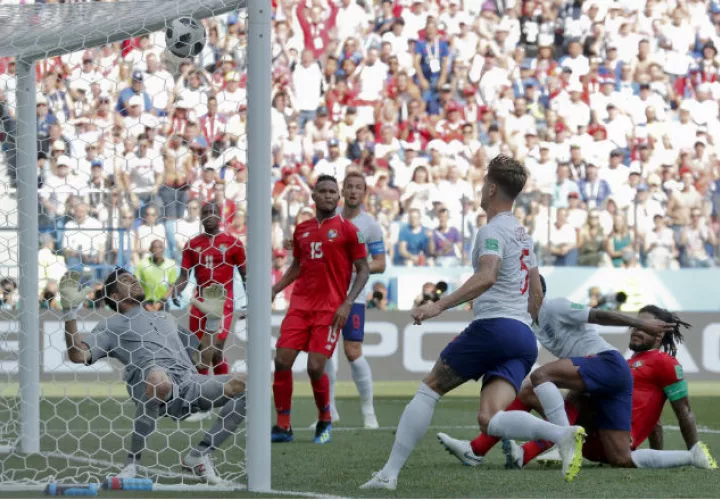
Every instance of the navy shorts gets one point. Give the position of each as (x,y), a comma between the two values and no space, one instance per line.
(609,383)
(354,329)
(489,348)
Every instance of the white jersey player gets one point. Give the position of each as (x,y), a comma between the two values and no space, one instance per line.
(354,190)
(498,345)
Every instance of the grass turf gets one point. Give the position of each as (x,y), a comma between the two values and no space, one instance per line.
(340,467)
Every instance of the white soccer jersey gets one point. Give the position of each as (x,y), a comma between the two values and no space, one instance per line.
(564,331)
(505,237)
(373,235)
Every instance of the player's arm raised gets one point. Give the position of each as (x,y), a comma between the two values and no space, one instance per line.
(72,298)
(613,318)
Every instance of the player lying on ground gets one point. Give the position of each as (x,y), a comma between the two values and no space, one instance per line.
(160,376)
(213,257)
(567,331)
(325,251)
(498,345)
(354,190)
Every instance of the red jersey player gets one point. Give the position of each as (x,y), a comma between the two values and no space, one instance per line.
(213,257)
(325,250)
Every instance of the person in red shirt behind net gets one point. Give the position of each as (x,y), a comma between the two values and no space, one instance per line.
(212,256)
(325,250)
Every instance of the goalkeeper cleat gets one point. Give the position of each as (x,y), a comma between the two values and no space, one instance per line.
(571,452)
(461,449)
(203,467)
(129,471)
(281,435)
(370,421)
(514,454)
(550,457)
(380,482)
(701,457)
(198,416)
(323,433)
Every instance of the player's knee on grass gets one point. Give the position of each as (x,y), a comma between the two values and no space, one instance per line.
(158,386)
(234,386)
(619,458)
(353,350)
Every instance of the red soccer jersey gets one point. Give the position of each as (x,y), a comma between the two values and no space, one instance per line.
(326,252)
(657,377)
(213,258)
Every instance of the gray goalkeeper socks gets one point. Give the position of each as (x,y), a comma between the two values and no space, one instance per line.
(227,423)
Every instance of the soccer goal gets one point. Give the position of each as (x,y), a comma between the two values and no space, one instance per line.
(70,424)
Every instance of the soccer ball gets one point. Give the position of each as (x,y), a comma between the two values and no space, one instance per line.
(185,37)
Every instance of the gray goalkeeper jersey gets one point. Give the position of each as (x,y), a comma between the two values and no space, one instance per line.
(565,332)
(141,340)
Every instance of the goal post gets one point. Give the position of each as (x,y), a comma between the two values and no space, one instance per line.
(38,31)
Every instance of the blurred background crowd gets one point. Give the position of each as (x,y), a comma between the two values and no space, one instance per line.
(611,105)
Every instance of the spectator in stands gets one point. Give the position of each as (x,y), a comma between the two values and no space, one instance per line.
(415,242)
(447,241)
(148,231)
(136,88)
(660,246)
(51,265)
(84,242)
(696,238)
(157,276)
(593,190)
(279,266)
(619,239)
(10,296)
(563,241)
(187,227)
(591,242)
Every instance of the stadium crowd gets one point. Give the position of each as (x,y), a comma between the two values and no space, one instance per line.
(611,105)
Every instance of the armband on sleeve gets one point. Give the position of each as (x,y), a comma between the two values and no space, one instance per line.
(376,247)
(676,391)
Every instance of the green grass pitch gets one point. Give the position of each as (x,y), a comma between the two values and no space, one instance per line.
(339,468)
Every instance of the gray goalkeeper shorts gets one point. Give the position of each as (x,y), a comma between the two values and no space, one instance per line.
(196,393)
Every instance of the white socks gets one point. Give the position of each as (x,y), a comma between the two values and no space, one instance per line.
(553,403)
(660,459)
(413,424)
(330,371)
(522,425)
(361,374)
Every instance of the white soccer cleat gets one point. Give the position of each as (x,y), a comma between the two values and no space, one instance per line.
(129,471)
(203,467)
(370,421)
(199,416)
(570,448)
(550,457)
(514,454)
(701,457)
(380,482)
(461,449)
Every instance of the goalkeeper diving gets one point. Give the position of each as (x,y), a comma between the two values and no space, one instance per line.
(159,372)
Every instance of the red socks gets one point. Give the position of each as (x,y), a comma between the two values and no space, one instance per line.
(222,368)
(204,371)
(534,448)
(483,443)
(321,391)
(282,393)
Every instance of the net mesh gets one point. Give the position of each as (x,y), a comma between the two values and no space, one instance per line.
(132,142)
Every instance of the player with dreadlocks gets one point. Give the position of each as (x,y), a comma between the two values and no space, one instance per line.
(657,377)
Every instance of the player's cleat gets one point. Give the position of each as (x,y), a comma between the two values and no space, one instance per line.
(701,457)
(514,454)
(370,421)
(550,457)
(323,433)
(333,415)
(281,435)
(461,449)
(130,470)
(203,467)
(571,452)
(380,482)
(199,416)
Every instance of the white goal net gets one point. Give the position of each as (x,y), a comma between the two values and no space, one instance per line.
(130,143)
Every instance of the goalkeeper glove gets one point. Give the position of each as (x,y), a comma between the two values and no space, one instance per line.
(213,305)
(72,296)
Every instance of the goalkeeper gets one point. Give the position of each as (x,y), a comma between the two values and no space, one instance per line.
(160,376)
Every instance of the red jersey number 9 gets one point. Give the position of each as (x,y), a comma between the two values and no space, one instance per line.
(316,250)
(524,268)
